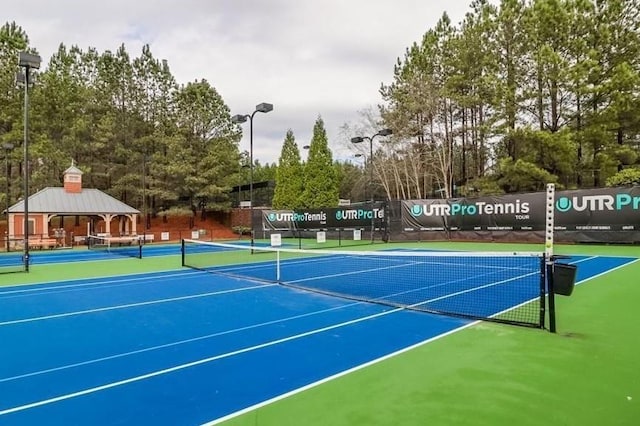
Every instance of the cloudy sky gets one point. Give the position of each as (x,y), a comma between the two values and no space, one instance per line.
(309,58)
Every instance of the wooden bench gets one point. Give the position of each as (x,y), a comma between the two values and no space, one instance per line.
(42,243)
(122,240)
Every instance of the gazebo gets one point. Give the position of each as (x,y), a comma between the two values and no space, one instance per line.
(70,200)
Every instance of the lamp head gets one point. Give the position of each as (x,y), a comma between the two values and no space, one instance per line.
(21,79)
(357,139)
(264,107)
(238,118)
(29,60)
(385,132)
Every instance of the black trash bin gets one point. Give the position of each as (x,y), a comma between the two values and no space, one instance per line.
(564,278)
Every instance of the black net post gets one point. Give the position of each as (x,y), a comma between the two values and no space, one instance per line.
(552,298)
(140,244)
(543,291)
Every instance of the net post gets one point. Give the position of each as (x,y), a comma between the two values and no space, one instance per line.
(552,299)
(543,292)
(140,248)
(548,253)
(182,252)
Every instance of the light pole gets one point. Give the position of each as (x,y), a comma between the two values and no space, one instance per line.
(241,118)
(7,148)
(146,225)
(27,61)
(240,186)
(359,139)
(144,199)
(364,165)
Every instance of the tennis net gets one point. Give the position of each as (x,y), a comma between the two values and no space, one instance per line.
(11,262)
(498,286)
(130,246)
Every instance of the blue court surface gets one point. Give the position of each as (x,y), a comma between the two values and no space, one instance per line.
(187,347)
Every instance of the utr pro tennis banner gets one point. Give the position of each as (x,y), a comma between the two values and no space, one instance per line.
(523,212)
(277,220)
(338,218)
(607,209)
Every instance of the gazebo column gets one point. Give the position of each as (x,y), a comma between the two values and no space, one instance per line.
(125,227)
(107,220)
(45,223)
(133,218)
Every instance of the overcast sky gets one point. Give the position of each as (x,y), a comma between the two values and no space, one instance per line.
(309,58)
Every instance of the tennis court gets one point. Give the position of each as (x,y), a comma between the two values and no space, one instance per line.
(190,347)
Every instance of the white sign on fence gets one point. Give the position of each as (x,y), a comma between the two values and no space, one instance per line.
(321,237)
(164,236)
(357,234)
(195,235)
(276,240)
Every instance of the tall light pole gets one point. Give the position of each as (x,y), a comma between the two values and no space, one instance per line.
(27,61)
(241,118)
(359,139)
(7,148)
(364,164)
(145,223)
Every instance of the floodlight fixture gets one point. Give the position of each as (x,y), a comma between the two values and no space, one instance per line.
(264,107)
(29,60)
(239,118)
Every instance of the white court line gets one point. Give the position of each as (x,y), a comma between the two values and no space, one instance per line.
(191,364)
(607,271)
(123,279)
(132,305)
(177,343)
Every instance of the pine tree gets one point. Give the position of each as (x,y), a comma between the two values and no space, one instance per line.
(289,175)
(320,179)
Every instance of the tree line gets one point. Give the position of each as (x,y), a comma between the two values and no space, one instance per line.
(125,122)
(515,96)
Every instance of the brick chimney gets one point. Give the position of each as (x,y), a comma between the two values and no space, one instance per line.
(72,179)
